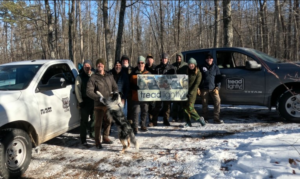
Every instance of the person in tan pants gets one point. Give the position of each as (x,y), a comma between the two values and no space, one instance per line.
(104,83)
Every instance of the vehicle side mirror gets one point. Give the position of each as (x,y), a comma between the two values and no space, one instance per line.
(53,83)
(252,65)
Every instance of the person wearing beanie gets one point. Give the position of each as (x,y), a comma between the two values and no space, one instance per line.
(210,86)
(138,106)
(125,63)
(86,104)
(122,79)
(105,84)
(195,78)
(163,68)
(181,68)
(150,66)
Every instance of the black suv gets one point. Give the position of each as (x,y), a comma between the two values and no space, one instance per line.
(251,77)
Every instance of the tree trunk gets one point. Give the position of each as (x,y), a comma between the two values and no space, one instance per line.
(228,32)
(50,30)
(71,21)
(161,27)
(178,26)
(80,32)
(120,30)
(217,18)
(107,35)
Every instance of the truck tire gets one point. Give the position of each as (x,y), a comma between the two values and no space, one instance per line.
(15,152)
(289,106)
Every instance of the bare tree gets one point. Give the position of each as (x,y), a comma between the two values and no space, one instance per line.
(228,32)
(107,34)
(80,32)
(120,29)
(217,19)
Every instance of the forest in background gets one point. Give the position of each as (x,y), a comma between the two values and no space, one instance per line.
(79,30)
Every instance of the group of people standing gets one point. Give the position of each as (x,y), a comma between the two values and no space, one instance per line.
(123,78)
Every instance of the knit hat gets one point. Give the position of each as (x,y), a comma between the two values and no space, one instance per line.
(117,61)
(141,59)
(125,57)
(100,60)
(209,55)
(88,62)
(164,55)
(192,61)
(149,56)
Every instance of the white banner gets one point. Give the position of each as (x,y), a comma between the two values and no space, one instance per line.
(162,87)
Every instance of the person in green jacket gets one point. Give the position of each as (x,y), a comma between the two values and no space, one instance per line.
(194,80)
(181,68)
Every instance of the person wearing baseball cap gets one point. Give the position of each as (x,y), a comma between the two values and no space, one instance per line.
(104,83)
(138,106)
(210,86)
(86,104)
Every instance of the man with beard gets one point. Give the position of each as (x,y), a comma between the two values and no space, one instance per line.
(122,79)
(163,68)
(86,104)
(104,83)
(181,68)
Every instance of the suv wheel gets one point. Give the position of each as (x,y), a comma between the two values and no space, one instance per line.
(289,106)
(15,152)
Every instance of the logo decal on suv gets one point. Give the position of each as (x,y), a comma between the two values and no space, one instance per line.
(235,83)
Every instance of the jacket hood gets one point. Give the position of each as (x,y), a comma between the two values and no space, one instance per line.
(9,96)
(179,54)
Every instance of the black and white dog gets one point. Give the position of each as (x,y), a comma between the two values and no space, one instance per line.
(115,112)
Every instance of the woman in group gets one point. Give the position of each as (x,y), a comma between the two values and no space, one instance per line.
(195,77)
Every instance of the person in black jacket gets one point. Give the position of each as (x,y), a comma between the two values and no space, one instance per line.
(122,79)
(163,68)
(86,104)
(210,86)
(151,68)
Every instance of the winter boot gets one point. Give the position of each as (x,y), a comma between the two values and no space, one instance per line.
(202,121)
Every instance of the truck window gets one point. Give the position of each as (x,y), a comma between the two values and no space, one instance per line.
(240,59)
(198,56)
(232,59)
(58,71)
(17,77)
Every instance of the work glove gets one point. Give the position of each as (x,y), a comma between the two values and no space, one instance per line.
(216,91)
(81,105)
(102,100)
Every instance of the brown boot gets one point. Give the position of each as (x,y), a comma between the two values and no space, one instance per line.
(150,124)
(106,140)
(144,129)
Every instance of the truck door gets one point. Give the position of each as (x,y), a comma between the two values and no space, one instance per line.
(240,85)
(58,107)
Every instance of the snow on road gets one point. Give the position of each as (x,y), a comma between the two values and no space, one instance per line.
(253,143)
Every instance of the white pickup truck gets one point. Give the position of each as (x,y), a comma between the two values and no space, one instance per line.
(37,103)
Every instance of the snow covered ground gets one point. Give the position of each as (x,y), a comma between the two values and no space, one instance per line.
(253,143)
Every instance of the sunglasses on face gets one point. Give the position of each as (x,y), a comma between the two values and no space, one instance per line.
(141,63)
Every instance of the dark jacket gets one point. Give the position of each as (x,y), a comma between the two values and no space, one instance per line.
(133,82)
(105,84)
(181,67)
(122,80)
(150,69)
(84,80)
(211,77)
(165,69)
(195,77)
